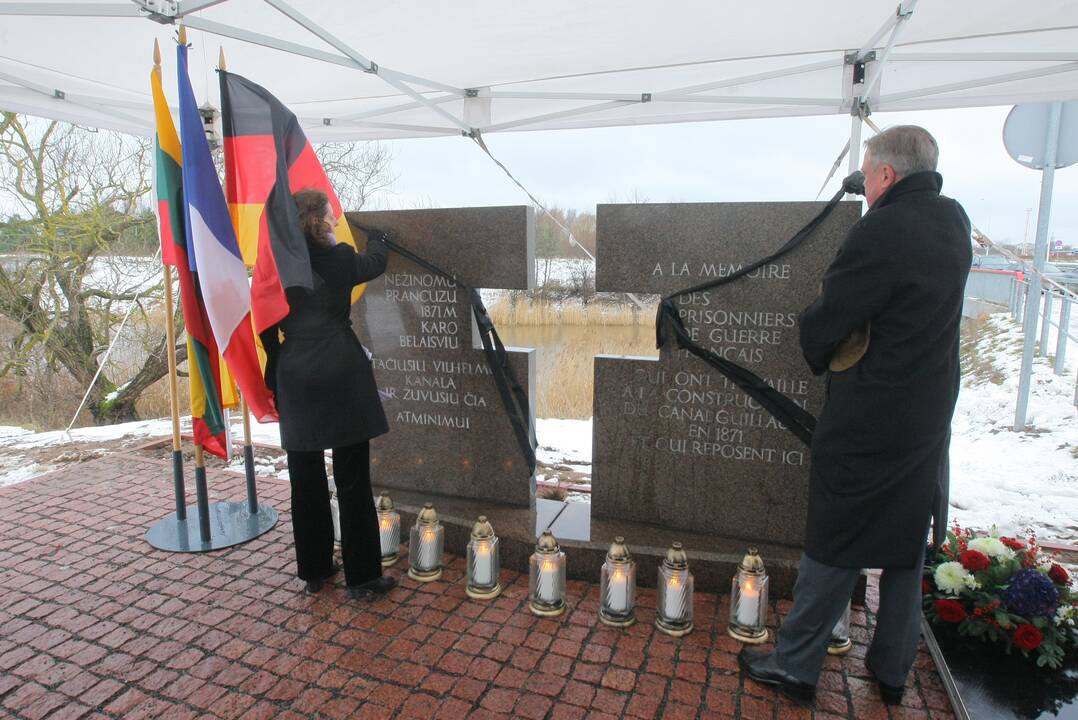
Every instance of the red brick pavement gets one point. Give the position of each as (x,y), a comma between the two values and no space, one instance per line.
(95,623)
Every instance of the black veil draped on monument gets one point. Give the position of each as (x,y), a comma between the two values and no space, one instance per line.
(668,319)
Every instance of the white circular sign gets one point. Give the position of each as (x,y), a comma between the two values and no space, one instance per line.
(1025,130)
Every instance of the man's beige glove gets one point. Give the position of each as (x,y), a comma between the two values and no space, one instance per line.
(850,350)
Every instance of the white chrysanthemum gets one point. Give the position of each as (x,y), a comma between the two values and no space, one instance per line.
(971,582)
(991,547)
(951,577)
(1066,614)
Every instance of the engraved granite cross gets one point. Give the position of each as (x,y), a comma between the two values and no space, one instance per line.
(448,431)
(674,442)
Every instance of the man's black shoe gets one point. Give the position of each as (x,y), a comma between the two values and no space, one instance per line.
(378,586)
(760,666)
(313,586)
(891,694)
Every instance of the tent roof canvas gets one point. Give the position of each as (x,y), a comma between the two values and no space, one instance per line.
(448,68)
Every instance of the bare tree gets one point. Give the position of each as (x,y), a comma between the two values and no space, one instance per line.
(357,170)
(81,196)
(84,235)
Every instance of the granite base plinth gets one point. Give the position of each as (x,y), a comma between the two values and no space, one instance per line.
(984,683)
(713,560)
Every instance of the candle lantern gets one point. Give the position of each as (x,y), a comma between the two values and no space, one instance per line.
(840,642)
(617,586)
(389,530)
(546,579)
(674,612)
(425,546)
(483,565)
(748,600)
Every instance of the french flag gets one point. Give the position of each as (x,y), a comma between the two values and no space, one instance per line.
(215,255)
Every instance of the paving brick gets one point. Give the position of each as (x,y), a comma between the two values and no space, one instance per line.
(96,624)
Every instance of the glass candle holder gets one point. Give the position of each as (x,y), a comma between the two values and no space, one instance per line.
(748,600)
(483,564)
(546,577)
(425,546)
(674,606)
(840,642)
(389,530)
(617,586)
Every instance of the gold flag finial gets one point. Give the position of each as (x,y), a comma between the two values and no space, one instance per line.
(221,59)
(183,34)
(156,54)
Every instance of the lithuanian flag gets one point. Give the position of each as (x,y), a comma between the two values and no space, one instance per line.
(203,358)
(267,158)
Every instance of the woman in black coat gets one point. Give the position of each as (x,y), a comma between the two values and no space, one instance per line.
(327,398)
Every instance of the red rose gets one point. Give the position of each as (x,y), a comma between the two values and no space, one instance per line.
(1059,575)
(951,611)
(1013,543)
(1027,637)
(974,560)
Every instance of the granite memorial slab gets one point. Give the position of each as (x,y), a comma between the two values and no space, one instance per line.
(449,433)
(675,443)
(984,683)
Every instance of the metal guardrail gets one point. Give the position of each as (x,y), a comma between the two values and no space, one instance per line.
(1050,292)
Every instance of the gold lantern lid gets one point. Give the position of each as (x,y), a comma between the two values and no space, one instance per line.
(427,516)
(385,504)
(676,557)
(618,551)
(752,563)
(547,544)
(482,530)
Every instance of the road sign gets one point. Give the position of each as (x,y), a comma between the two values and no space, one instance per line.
(1025,130)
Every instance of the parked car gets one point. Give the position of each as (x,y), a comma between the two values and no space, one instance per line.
(995,262)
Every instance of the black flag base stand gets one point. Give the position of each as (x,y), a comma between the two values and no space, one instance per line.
(216,526)
(230,523)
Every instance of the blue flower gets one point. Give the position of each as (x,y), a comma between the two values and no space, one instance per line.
(1031,594)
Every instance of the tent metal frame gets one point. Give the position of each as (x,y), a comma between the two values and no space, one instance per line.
(433,95)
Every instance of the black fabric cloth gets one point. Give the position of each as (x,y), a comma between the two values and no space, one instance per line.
(321,375)
(882,438)
(312,523)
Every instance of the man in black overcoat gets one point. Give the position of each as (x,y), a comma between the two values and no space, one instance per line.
(882,438)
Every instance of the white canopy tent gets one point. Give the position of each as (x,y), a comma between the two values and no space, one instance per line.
(381,70)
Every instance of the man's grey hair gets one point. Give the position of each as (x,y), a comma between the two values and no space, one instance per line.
(907,148)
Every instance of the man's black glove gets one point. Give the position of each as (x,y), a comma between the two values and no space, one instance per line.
(854,183)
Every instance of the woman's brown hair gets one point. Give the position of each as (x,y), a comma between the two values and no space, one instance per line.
(312,205)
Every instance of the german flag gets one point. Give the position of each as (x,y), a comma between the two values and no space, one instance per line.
(267,158)
(203,358)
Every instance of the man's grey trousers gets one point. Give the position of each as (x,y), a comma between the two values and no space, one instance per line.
(820,597)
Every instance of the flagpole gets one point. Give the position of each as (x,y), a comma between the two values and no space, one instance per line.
(202,494)
(174,401)
(249,459)
(173,383)
(248,449)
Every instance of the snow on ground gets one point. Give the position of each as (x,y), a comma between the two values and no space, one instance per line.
(1008,479)
(19,447)
(564,442)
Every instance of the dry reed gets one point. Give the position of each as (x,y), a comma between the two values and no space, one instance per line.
(521,311)
(565,385)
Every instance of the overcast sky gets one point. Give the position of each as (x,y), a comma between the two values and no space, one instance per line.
(744,160)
